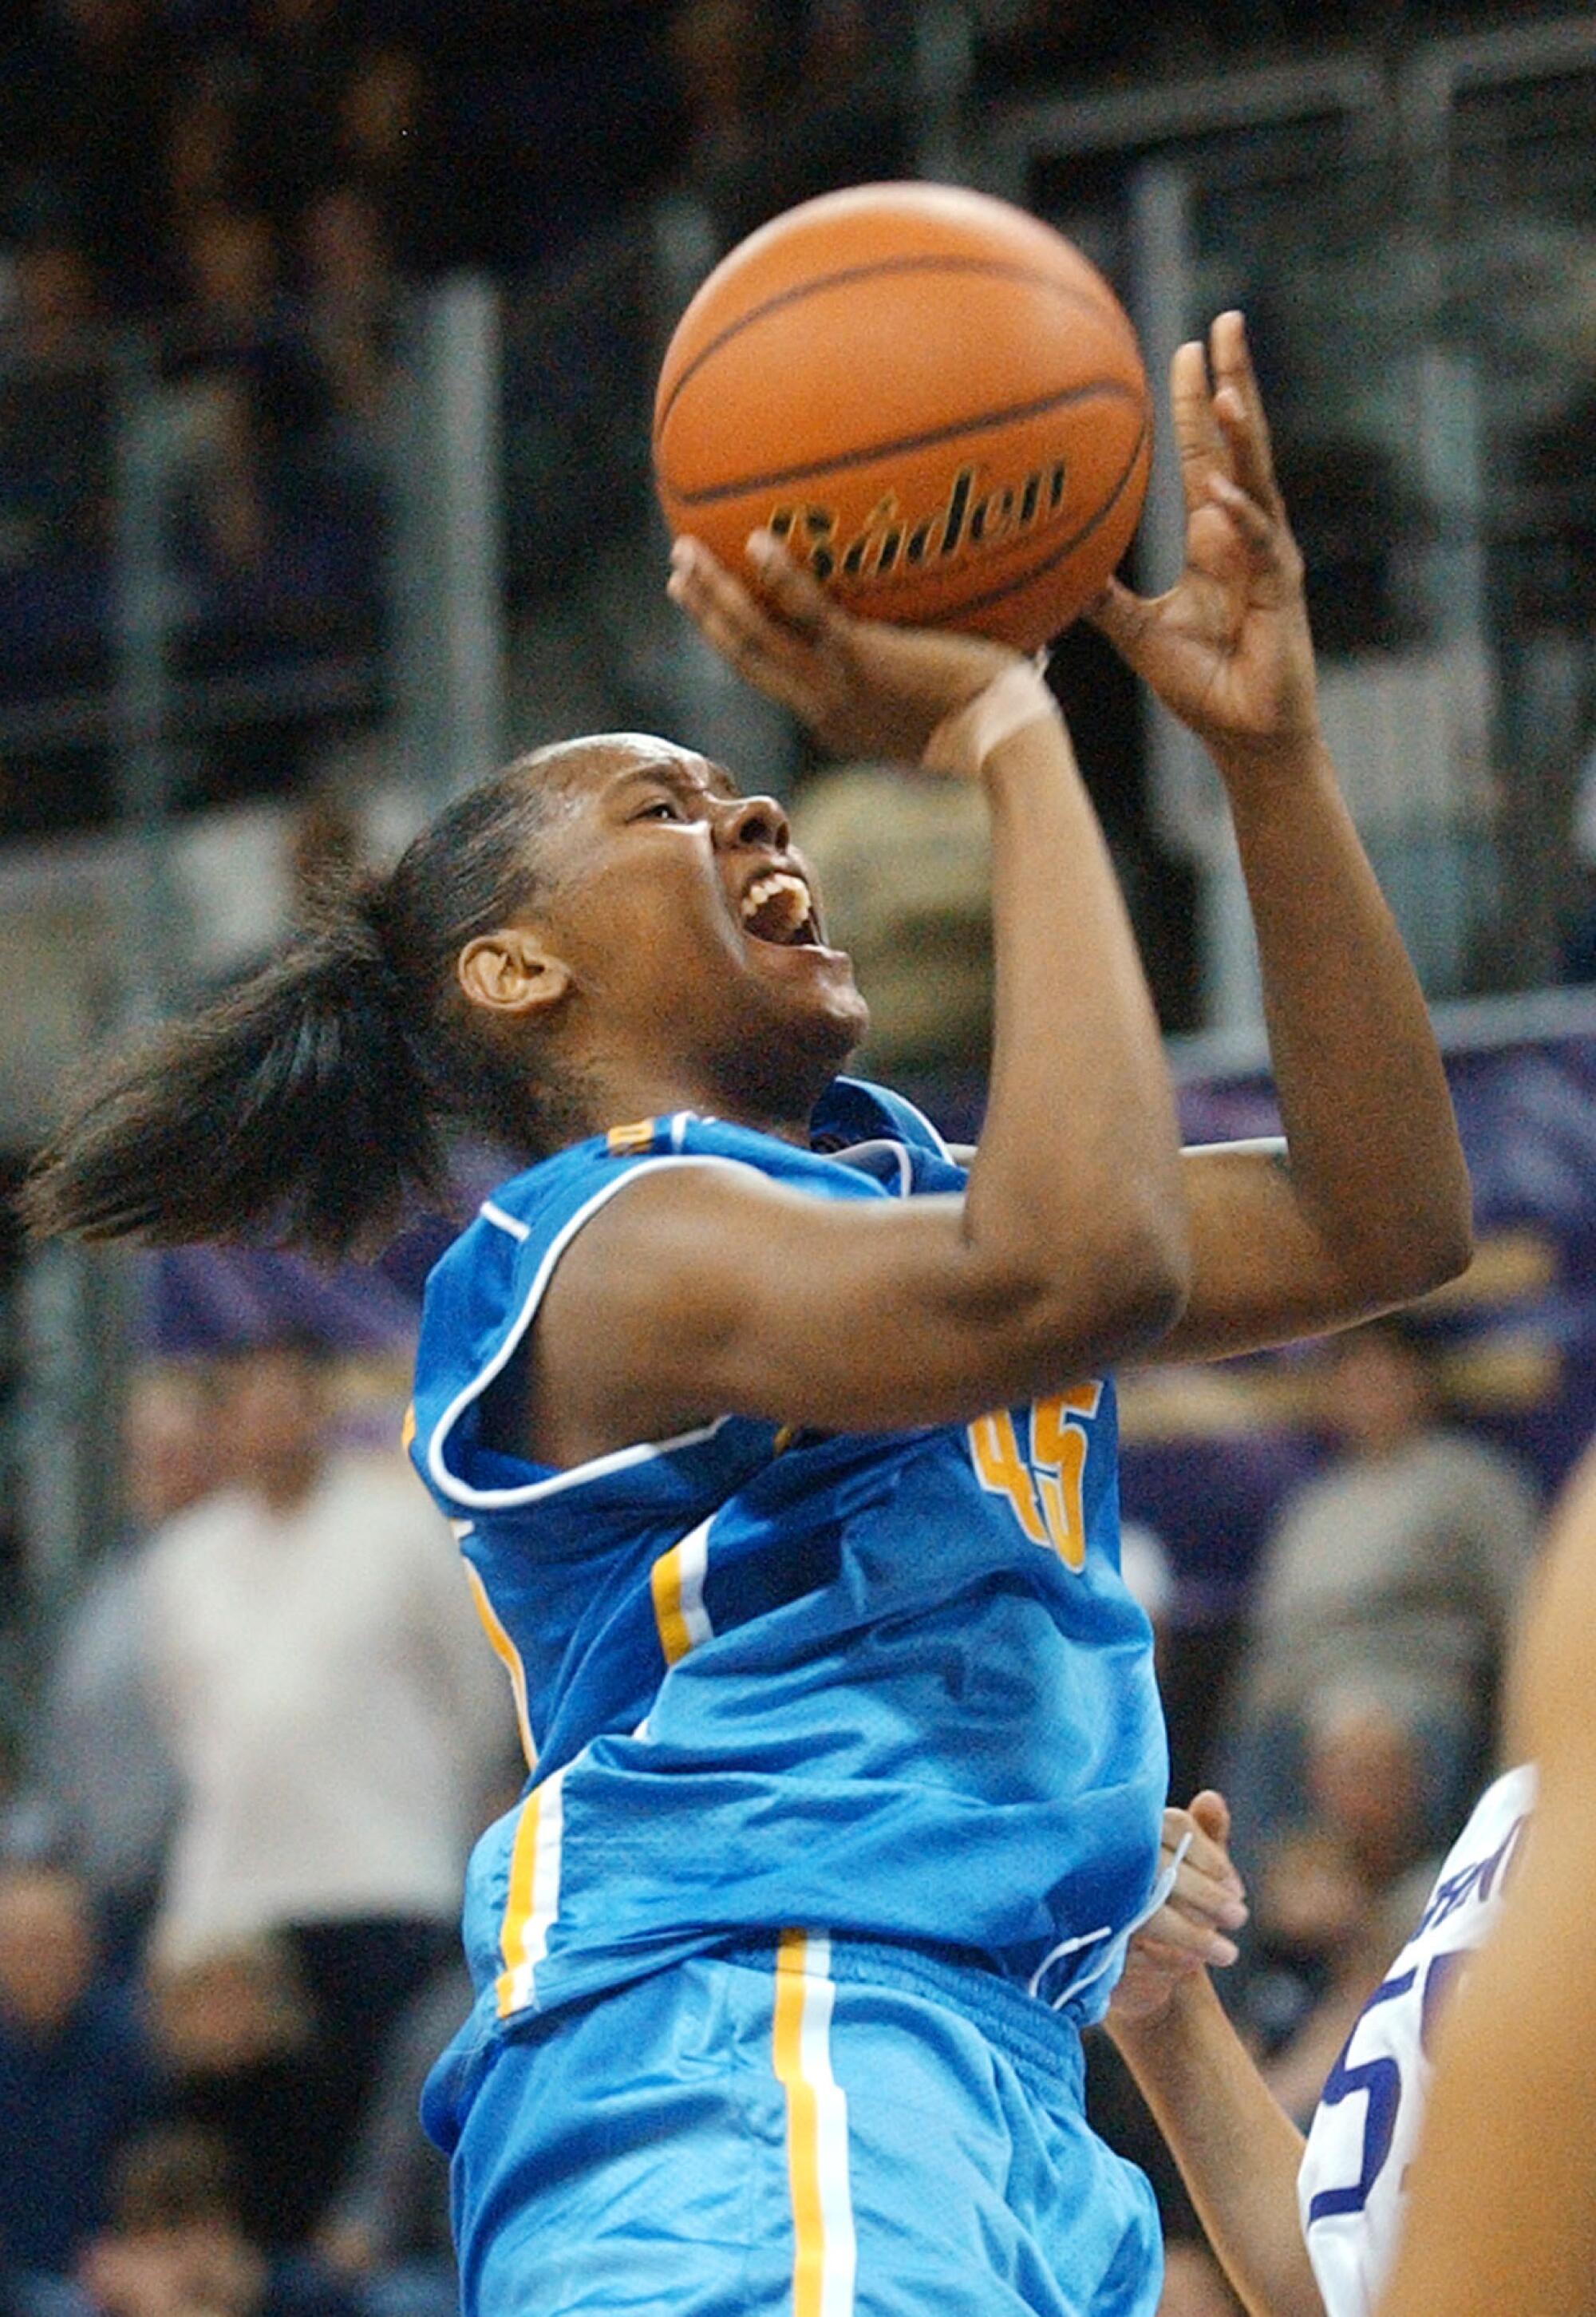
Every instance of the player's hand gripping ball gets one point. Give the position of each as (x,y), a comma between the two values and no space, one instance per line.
(933,398)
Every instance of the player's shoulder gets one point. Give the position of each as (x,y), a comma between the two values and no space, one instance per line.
(1465,1896)
(1505,1802)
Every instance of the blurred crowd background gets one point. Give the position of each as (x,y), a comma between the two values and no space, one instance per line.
(328,337)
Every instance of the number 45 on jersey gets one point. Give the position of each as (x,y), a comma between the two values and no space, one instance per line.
(1044,1488)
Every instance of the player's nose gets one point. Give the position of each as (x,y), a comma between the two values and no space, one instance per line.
(755,821)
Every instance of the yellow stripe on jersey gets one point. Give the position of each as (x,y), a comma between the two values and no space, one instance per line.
(408,1428)
(623,1140)
(533,1901)
(823,2251)
(509,1657)
(676,1584)
(664,1583)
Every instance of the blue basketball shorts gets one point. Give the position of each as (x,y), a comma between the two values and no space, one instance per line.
(800,2127)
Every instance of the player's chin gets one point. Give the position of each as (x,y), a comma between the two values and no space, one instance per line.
(826,999)
(803,1025)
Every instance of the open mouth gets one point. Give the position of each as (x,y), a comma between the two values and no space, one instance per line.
(780,908)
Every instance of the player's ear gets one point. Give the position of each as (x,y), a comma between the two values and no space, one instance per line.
(509,971)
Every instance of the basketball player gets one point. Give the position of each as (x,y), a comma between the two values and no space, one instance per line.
(778,1442)
(1502,2206)
(1492,2206)
(1303,2227)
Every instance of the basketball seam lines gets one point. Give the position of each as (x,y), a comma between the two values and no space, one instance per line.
(930,263)
(1112,388)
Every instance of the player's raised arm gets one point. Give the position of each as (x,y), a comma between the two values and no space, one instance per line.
(1501,2213)
(1068,1250)
(1367,1204)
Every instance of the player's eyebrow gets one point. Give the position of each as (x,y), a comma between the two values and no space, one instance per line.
(682,780)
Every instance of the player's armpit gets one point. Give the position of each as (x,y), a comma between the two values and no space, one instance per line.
(852,1315)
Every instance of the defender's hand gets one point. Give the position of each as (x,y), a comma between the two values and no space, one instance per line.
(1227,649)
(864,687)
(1187,1934)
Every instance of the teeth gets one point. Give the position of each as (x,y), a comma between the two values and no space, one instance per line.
(778,901)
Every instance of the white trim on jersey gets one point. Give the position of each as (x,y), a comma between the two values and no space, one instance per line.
(856,1151)
(935,1132)
(511,1223)
(596,1467)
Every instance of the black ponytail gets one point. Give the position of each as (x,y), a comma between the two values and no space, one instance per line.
(311,1104)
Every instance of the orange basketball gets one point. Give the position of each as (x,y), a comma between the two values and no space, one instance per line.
(935,399)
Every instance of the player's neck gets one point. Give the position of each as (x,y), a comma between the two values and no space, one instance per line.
(620,1098)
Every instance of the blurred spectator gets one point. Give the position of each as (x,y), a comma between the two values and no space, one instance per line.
(1578,961)
(1366,1784)
(389,148)
(351,297)
(1325,1924)
(289,70)
(1394,1573)
(77,2072)
(204,152)
(337,1717)
(903,865)
(278,528)
(176,2249)
(55,465)
(226,356)
(101,1769)
(55,318)
(1337,1894)
(725,71)
(86,88)
(392,2208)
(779,103)
(235,2030)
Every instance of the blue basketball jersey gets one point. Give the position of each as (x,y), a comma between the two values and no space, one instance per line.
(890,1683)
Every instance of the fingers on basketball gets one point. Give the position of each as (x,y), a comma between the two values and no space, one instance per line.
(734,623)
(1119,614)
(793,593)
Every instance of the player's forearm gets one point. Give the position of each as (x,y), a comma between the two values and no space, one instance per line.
(1374,1152)
(1078,1162)
(1238,2152)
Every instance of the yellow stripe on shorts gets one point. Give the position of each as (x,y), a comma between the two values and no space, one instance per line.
(533,1900)
(824,2255)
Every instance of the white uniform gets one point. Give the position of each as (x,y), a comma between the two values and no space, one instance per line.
(1350,2189)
